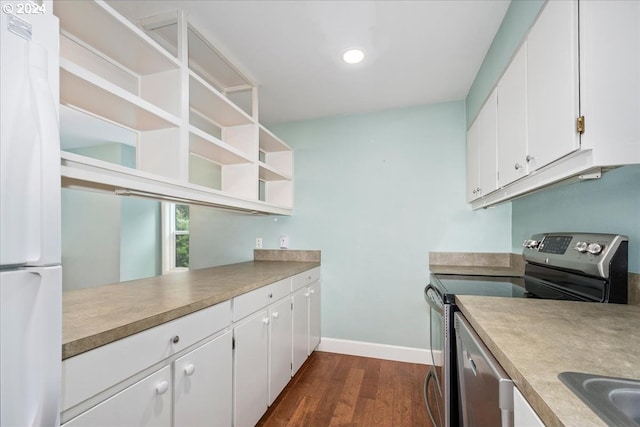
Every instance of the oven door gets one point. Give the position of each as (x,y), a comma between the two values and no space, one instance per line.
(434,383)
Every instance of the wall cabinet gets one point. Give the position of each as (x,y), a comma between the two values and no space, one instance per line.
(174,97)
(567,104)
(481,151)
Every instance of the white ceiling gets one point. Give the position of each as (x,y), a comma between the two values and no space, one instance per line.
(418,52)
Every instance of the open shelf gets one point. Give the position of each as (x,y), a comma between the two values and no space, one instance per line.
(85,91)
(270,143)
(268,173)
(211,148)
(98,25)
(209,102)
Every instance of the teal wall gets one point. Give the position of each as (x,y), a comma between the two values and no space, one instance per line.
(610,204)
(375,193)
(515,25)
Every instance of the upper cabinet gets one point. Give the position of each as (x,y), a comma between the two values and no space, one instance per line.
(569,101)
(153,109)
(481,150)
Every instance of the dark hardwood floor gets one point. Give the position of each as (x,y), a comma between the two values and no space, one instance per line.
(349,391)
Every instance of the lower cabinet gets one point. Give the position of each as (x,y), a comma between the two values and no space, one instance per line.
(523,413)
(202,385)
(306,323)
(145,403)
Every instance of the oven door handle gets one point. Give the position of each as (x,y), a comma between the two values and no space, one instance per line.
(434,298)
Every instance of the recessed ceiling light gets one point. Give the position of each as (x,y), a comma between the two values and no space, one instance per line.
(353,56)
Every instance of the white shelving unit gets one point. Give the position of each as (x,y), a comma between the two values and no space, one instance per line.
(194,114)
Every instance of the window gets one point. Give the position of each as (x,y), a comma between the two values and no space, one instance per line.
(176,237)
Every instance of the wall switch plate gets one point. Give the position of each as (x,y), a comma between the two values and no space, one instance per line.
(258,242)
(284,242)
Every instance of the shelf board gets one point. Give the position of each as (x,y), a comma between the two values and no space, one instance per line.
(84,90)
(270,143)
(79,172)
(207,100)
(97,24)
(267,173)
(210,147)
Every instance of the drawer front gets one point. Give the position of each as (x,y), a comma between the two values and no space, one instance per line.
(303,279)
(87,374)
(245,304)
(145,403)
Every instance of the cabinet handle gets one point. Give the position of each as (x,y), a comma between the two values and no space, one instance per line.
(529,158)
(312,291)
(265,320)
(189,369)
(175,339)
(162,387)
(306,294)
(270,295)
(517,166)
(275,314)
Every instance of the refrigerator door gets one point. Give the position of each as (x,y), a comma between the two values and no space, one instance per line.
(30,346)
(29,140)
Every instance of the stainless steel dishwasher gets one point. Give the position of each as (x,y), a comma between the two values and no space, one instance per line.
(486,392)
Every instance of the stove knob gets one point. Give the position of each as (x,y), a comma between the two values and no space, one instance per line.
(581,247)
(594,248)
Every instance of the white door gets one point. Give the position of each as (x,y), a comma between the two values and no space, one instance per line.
(552,83)
(203,385)
(251,370)
(30,346)
(147,403)
(29,140)
(300,328)
(280,344)
(512,120)
(314,315)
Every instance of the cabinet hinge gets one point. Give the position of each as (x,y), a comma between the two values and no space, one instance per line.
(233,343)
(580,125)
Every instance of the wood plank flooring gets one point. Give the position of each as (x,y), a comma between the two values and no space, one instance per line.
(349,391)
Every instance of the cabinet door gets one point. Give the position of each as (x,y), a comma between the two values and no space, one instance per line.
(146,403)
(251,369)
(552,83)
(481,151)
(523,413)
(300,328)
(280,342)
(202,385)
(512,120)
(314,316)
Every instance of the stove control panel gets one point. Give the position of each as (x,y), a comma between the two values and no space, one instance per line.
(590,253)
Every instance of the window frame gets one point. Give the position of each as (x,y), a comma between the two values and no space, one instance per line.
(169,234)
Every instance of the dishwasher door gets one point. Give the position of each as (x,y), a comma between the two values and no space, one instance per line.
(486,392)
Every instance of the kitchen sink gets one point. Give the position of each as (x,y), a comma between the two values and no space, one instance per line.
(615,400)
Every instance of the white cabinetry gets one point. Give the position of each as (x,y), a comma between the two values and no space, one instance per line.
(165,91)
(552,83)
(262,356)
(146,403)
(306,300)
(570,97)
(130,381)
(202,385)
(481,151)
(512,121)
(523,413)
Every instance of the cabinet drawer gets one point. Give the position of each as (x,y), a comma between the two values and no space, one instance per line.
(87,374)
(245,304)
(303,279)
(146,403)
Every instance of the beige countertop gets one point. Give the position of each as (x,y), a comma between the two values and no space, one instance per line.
(535,340)
(480,263)
(96,316)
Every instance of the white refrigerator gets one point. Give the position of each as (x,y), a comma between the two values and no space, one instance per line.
(30,271)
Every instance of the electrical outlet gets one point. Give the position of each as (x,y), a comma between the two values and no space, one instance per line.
(284,242)
(258,242)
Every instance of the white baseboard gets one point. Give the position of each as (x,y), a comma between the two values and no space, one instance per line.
(377,351)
